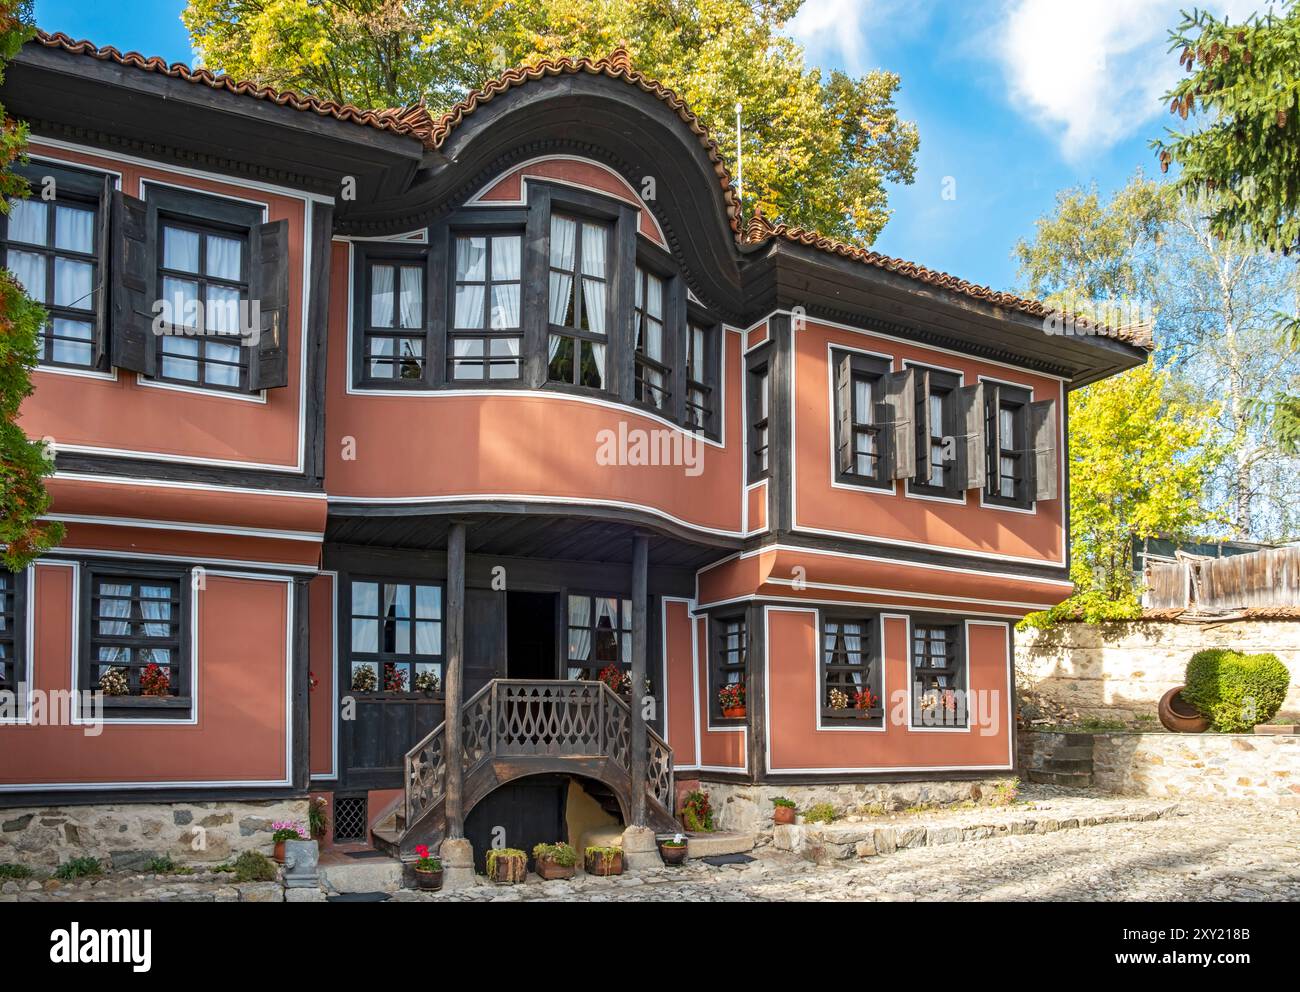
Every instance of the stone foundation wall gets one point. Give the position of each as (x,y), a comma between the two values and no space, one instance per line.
(1119,671)
(748,808)
(129,835)
(1254,767)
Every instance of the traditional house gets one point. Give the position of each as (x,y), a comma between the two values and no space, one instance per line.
(376,431)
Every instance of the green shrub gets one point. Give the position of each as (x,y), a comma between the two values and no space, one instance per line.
(166,866)
(697,814)
(1235,691)
(10,870)
(820,813)
(79,868)
(558,854)
(254,866)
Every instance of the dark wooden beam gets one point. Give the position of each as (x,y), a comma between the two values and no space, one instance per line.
(639,739)
(453,681)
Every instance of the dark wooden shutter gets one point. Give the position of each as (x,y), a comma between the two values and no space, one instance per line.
(131,283)
(971,459)
(900,399)
(844,413)
(269,364)
(993,440)
(1043,440)
(921,467)
(104,250)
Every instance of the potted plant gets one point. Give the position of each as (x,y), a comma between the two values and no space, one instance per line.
(603,861)
(557,860)
(866,704)
(364,678)
(318,817)
(783,811)
(286,830)
(114,682)
(697,814)
(428,870)
(673,849)
(427,682)
(155,680)
(731,697)
(507,865)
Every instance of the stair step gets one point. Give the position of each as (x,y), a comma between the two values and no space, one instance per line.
(369,875)
(719,843)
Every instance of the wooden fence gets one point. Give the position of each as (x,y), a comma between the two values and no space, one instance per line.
(1269,578)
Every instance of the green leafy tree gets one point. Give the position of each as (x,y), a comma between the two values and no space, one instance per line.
(1242,165)
(1139,460)
(23,462)
(818,147)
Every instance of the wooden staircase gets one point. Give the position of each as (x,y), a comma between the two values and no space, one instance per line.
(513,728)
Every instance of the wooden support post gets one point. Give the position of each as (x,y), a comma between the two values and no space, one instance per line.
(639,739)
(452,683)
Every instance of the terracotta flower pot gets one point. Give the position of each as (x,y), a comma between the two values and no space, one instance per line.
(783,814)
(279,852)
(1180,716)
(550,871)
(429,881)
(672,855)
(734,713)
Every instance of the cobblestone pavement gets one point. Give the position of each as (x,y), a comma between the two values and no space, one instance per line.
(1229,852)
(1219,853)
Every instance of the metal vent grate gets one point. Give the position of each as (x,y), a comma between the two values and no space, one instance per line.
(350,817)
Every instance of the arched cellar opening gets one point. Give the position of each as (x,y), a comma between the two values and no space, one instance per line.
(543,809)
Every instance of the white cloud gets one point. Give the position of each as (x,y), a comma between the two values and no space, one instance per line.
(1092,73)
(836,31)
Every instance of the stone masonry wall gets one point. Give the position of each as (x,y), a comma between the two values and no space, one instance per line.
(129,835)
(1119,671)
(748,808)
(1255,767)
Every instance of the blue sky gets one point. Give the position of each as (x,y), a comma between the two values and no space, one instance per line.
(1014,99)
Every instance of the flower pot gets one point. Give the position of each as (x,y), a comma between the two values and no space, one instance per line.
(783,814)
(672,855)
(604,865)
(279,852)
(550,871)
(508,870)
(1180,716)
(428,881)
(734,713)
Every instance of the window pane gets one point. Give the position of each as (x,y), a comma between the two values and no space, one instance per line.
(28,220)
(74,229)
(563,232)
(506,258)
(72,342)
(397,601)
(29,269)
(862,402)
(593,306)
(505,307)
(224,257)
(180,249)
(73,284)
(579,611)
(1007,430)
(221,310)
(561,299)
(471,259)
(469,306)
(936,416)
(505,359)
(221,375)
(595,238)
(381,296)
(428,637)
(412,296)
(365,636)
(181,297)
(365,598)
(428,602)
(654,304)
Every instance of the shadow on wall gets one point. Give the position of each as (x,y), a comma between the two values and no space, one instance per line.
(1117,672)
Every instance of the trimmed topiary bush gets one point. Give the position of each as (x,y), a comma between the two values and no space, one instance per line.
(1235,691)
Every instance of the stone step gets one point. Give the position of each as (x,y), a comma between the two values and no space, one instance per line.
(363,875)
(825,843)
(1073,779)
(718,843)
(1067,765)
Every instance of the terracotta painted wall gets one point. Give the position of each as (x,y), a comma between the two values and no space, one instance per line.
(1037,536)
(242,728)
(796,745)
(99,412)
(694,744)
(454,444)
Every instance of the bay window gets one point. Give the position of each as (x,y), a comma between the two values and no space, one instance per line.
(486,335)
(579,297)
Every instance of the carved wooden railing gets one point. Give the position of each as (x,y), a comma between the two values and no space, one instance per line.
(510,717)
